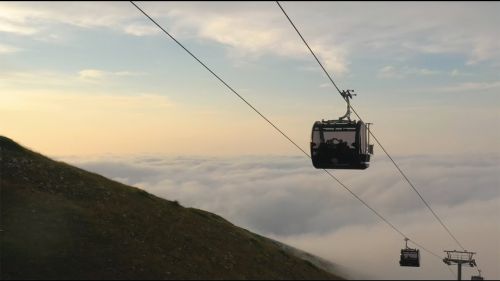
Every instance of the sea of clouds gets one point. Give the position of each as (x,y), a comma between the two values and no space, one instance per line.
(284,198)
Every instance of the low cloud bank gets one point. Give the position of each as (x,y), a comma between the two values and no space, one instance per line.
(285,198)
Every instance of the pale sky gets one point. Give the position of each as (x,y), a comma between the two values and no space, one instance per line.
(91,78)
(82,79)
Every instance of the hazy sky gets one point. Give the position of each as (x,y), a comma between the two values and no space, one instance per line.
(98,78)
(86,78)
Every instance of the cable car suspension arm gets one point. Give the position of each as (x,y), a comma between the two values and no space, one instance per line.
(346,94)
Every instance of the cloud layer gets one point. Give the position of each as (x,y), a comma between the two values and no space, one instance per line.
(336,31)
(284,198)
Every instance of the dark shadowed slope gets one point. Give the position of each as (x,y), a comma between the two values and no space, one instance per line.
(58,221)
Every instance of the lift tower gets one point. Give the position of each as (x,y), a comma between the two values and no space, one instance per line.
(459,258)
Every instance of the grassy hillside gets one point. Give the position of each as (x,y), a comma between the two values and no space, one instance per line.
(58,221)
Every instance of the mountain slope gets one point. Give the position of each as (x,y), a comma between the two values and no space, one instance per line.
(58,221)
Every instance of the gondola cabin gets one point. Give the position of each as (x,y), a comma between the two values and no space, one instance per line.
(410,257)
(340,144)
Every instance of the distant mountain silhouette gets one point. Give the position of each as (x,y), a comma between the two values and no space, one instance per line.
(58,221)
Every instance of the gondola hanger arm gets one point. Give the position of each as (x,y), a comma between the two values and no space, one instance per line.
(347,95)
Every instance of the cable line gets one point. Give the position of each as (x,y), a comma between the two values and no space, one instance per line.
(371,133)
(281,132)
(222,81)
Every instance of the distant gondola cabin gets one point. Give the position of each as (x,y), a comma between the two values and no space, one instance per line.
(410,257)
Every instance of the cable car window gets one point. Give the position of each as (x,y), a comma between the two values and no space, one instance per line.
(316,140)
(362,136)
(411,255)
(336,137)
